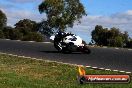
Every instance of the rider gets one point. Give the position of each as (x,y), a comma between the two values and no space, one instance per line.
(60,35)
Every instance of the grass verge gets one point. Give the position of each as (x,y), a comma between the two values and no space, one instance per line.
(27,73)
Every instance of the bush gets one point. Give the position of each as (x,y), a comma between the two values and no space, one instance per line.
(33,36)
(16,35)
(24,31)
(84,42)
(11,33)
(1,34)
(118,41)
(8,31)
(129,44)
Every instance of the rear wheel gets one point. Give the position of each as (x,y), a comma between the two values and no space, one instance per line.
(65,50)
(86,50)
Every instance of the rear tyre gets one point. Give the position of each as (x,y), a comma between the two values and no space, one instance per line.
(86,50)
(65,50)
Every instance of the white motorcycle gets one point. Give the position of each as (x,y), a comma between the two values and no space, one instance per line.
(68,43)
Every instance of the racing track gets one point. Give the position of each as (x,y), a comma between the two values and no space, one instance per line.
(119,59)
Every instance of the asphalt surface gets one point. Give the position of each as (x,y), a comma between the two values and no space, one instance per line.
(116,59)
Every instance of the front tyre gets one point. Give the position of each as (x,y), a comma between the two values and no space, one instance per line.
(58,46)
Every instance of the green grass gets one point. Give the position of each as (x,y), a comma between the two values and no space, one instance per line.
(27,73)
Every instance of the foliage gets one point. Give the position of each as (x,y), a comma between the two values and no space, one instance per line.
(8,31)
(33,36)
(1,34)
(16,35)
(62,13)
(129,43)
(11,33)
(90,43)
(24,30)
(26,25)
(118,41)
(45,29)
(109,37)
(3,20)
(99,35)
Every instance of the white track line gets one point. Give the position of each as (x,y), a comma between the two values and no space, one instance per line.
(94,67)
(105,47)
(115,70)
(130,49)
(116,48)
(128,72)
(101,68)
(7,39)
(122,71)
(46,42)
(88,66)
(26,41)
(108,69)
(30,41)
(17,40)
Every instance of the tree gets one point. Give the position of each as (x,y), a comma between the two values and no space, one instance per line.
(3,20)
(109,37)
(114,32)
(45,29)
(62,13)
(96,34)
(26,25)
(125,37)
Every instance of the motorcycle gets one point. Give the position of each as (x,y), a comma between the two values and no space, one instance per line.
(68,43)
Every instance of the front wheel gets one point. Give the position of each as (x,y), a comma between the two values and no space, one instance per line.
(58,46)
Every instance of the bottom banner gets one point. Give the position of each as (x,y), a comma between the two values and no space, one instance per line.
(104,79)
(83,78)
